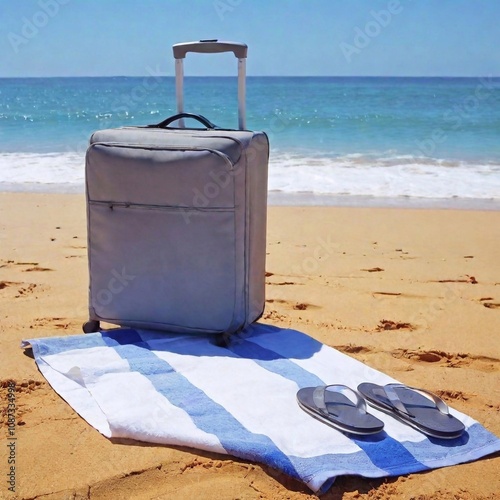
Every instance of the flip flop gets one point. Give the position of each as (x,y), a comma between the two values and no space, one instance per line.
(329,405)
(419,408)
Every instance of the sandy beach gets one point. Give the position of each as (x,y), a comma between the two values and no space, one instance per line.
(414,293)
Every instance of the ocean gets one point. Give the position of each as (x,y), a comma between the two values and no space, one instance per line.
(347,140)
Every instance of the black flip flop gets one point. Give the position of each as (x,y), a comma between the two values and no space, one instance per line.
(419,408)
(329,405)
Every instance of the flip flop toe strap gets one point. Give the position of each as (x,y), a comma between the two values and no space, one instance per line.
(319,397)
(389,391)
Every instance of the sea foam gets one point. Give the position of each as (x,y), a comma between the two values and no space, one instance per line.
(375,175)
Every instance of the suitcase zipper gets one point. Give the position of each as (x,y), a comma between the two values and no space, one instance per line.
(155,147)
(123,204)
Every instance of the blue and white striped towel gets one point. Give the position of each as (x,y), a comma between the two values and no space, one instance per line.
(185,390)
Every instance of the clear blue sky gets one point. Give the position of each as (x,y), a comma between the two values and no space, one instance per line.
(285,37)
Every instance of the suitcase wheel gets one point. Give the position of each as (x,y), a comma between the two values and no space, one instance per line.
(222,340)
(91,326)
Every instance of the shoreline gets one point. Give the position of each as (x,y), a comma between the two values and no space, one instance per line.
(308,199)
(401,202)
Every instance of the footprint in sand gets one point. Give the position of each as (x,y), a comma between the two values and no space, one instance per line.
(298,306)
(427,356)
(34,266)
(470,279)
(449,360)
(453,395)
(24,291)
(387,324)
(279,301)
(57,322)
(373,270)
(492,305)
(301,306)
(281,283)
(353,349)
(24,390)
(274,315)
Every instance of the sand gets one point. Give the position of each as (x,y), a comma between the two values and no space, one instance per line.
(412,292)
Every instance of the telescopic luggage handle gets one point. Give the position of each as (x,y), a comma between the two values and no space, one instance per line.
(211,47)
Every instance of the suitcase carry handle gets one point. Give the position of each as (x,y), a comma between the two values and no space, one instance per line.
(204,121)
(211,47)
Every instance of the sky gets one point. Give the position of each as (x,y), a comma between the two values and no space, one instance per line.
(40,38)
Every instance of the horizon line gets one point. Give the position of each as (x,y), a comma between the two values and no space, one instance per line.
(253,76)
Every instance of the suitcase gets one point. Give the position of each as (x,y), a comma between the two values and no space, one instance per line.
(177,219)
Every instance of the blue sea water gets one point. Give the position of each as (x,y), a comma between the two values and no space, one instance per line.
(419,138)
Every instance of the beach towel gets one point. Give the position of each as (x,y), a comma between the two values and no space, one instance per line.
(241,400)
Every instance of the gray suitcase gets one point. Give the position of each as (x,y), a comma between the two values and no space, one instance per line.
(177,220)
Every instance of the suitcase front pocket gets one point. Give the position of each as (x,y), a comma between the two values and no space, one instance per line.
(159,176)
(162,265)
